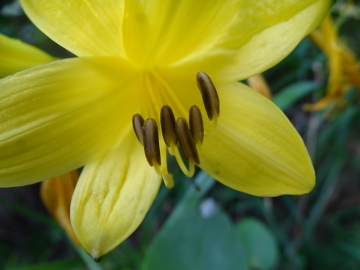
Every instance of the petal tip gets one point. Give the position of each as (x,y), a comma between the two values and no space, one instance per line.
(307,185)
(311,186)
(96,255)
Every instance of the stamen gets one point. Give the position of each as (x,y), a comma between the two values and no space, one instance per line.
(138,123)
(176,134)
(186,142)
(187,147)
(209,95)
(167,121)
(151,142)
(188,172)
(162,170)
(213,129)
(196,125)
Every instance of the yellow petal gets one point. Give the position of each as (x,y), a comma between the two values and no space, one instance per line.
(277,41)
(56,195)
(162,32)
(16,55)
(57,117)
(259,38)
(113,196)
(255,148)
(86,28)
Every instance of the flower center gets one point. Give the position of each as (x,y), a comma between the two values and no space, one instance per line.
(178,134)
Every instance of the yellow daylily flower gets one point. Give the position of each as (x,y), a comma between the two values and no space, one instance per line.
(134,57)
(343,65)
(16,55)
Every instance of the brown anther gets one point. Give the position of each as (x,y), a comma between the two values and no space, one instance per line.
(196,124)
(209,95)
(186,141)
(151,142)
(167,121)
(138,123)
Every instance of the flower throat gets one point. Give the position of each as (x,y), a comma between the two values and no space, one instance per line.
(178,134)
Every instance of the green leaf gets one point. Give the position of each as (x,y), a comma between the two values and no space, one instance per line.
(259,243)
(197,240)
(293,93)
(192,197)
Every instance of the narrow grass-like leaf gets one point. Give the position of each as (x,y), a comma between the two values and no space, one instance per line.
(293,93)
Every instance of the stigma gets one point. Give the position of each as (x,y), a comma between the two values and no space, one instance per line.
(178,134)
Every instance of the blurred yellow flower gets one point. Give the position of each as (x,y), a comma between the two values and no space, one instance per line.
(343,65)
(56,195)
(138,58)
(259,84)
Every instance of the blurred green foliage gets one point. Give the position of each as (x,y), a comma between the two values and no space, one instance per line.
(219,228)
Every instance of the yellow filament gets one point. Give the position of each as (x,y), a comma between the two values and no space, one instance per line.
(198,146)
(169,91)
(213,127)
(162,169)
(167,177)
(188,172)
(171,149)
(150,93)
